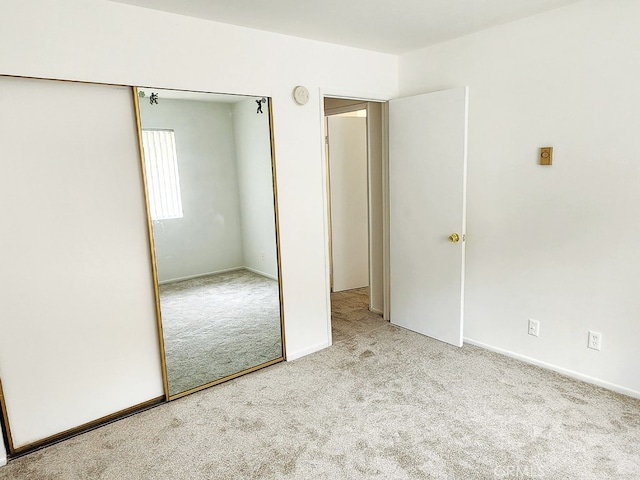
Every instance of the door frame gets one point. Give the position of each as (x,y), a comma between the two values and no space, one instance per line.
(385,195)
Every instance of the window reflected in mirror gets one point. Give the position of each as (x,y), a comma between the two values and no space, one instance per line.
(161,168)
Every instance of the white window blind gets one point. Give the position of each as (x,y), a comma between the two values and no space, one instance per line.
(163,182)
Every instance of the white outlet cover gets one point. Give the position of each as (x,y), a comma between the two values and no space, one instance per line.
(595,340)
(534,327)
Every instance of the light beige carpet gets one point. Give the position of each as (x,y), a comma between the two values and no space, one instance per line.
(381,403)
(217,325)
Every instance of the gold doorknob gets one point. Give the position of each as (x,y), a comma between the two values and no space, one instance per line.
(454,238)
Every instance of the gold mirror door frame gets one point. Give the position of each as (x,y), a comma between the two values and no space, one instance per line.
(214,236)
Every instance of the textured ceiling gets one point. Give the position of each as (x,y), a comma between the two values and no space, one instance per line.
(392,26)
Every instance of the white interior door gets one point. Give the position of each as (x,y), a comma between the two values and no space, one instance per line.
(427,195)
(349,203)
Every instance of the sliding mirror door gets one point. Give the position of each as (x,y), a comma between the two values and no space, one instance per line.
(209,178)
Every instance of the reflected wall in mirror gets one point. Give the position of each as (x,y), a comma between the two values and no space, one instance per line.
(210,190)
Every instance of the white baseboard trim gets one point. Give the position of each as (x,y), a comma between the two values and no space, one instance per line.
(375,310)
(557,369)
(262,274)
(218,272)
(306,351)
(179,279)
(3,460)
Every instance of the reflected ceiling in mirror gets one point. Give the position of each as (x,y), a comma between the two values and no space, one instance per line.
(211,203)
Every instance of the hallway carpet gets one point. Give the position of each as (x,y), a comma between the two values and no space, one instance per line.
(381,403)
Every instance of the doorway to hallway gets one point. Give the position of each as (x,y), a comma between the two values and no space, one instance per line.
(354,150)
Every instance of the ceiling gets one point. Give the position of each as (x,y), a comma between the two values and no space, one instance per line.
(392,26)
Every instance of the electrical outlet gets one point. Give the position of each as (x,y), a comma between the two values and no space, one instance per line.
(262,255)
(595,340)
(534,327)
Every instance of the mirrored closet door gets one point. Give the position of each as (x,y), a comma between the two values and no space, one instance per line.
(209,180)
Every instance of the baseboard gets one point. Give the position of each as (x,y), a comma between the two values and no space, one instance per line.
(262,274)
(218,272)
(306,351)
(564,371)
(180,279)
(3,460)
(375,310)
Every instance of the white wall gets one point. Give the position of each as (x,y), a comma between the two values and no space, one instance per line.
(255,186)
(3,454)
(208,237)
(559,243)
(349,203)
(100,41)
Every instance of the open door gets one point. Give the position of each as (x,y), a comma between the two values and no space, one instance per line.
(427,198)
